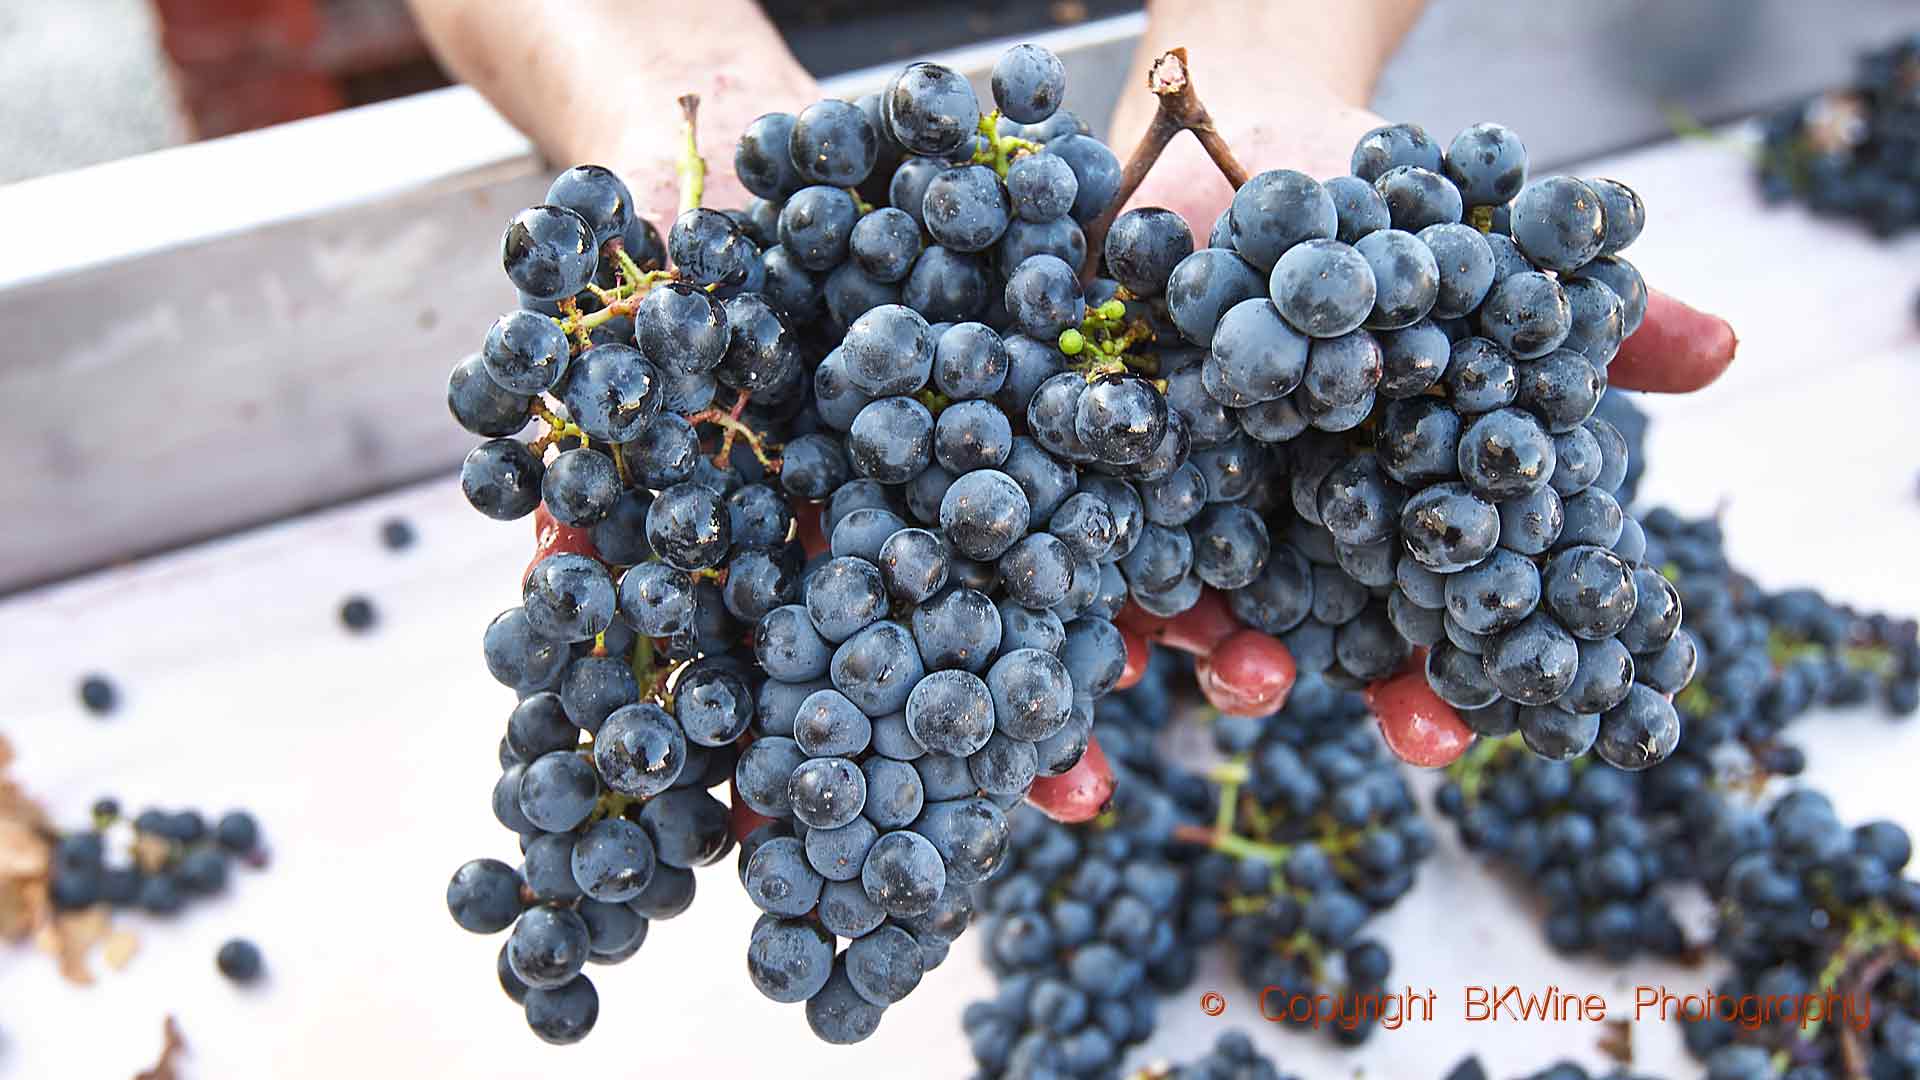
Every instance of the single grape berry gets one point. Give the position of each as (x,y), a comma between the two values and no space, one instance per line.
(396,534)
(930,109)
(501,479)
(833,143)
(549,252)
(1488,163)
(1559,223)
(1029,82)
(1323,287)
(239,960)
(99,695)
(357,614)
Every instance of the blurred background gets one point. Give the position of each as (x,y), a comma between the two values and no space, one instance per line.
(93,81)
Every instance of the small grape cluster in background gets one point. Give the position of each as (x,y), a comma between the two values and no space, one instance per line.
(1854,151)
(1282,853)
(1803,904)
(157,863)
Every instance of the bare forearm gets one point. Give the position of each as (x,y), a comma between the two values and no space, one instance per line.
(1286,82)
(1336,49)
(596,80)
(1285,54)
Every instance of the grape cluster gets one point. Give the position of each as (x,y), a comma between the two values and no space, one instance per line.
(1582,839)
(1766,657)
(1085,925)
(1283,854)
(1083,933)
(1601,846)
(1471,1069)
(156,863)
(1232,1057)
(945,650)
(1855,151)
(1805,904)
(657,546)
(1427,340)
(1312,831)
(1809,906)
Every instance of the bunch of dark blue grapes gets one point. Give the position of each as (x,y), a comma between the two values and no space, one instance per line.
(1583,839)
(1320,834)
(946,650)
(606,785)
(884,702)
(657,547)
(1312,831)
(1471,1069)
(1599,845)
(1767,657)
(966,341)
(1764,658)
(1810,907)
(157,863)
(1426,342)
(1084,927)
(1232,1057)
(1855,151)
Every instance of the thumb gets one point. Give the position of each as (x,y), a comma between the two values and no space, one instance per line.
(1080,793)
(1242,672)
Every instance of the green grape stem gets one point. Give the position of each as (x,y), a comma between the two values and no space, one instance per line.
(934,400)
(1227,842)
(558,427)
(1102,344)
(1001,151)
(651,674)
(1469,771)
(1229,775)
(692,167)
(729,421)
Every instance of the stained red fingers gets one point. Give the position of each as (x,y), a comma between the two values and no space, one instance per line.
(1080,793)
(1677,349)
(1248,674)
(1419,728)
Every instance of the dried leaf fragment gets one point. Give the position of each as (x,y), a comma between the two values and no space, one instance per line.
(171,1051)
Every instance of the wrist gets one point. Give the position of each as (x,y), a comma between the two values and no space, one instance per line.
(1324,53)
(641,138)
(645,148)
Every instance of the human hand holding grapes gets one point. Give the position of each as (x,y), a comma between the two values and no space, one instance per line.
(1306,120)
(1362,637)
(579,106)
